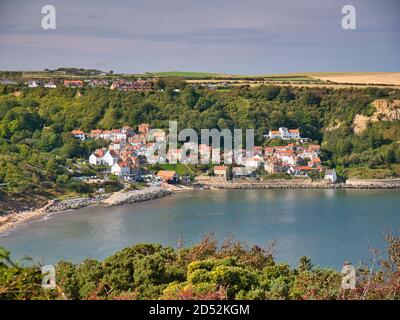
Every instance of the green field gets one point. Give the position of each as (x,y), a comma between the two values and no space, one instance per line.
(306,79)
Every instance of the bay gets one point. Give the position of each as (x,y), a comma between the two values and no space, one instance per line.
(330,226)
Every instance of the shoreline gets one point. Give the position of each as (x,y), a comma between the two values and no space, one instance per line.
(12,220)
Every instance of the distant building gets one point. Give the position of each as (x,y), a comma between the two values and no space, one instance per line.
(300,170)
(110,158)
(73,83)
(118,84)
(221,172)
(168,176)
(274,166)
(284,134)
(286,156)
(242,172)
(50,85)
(96,158)
(128,131)
(157,135)
(98,83)
(33,84)
(79,134)
(255,162)
(141,85)
(330,174)
(95,134)
(121,169)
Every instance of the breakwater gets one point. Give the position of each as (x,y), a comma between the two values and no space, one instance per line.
(133,196)
(71,204)
(301,185)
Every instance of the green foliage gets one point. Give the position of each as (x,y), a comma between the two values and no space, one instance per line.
(18,283)
(35,140)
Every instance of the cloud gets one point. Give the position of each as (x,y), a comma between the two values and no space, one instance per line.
(220,35)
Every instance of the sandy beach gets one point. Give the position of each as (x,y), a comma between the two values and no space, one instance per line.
(12,220)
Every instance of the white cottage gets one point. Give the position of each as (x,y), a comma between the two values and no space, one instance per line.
(121,169)
(330,174)
(32,84)
(110,158)
(95,159)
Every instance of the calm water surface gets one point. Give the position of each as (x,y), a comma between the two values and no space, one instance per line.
(330,226)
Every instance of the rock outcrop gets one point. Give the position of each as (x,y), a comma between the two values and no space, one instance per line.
(385,110)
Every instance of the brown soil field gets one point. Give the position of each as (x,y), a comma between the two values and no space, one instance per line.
(390,78)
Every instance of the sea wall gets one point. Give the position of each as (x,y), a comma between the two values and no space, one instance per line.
(61,205)
(373,183)
(290,184)
(137,196)
(119,198)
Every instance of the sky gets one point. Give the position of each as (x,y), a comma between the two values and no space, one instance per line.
(229,36)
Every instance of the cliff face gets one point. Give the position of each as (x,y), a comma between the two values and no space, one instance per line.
(360,123)
(385,110)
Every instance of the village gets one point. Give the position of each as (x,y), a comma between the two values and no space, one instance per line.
(118,84)
(130,152)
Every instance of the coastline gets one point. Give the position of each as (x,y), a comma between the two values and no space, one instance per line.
(12,220)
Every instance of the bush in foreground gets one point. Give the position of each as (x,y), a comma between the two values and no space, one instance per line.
(204,271)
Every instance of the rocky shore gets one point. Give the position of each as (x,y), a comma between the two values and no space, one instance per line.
(122,198)
(71,204)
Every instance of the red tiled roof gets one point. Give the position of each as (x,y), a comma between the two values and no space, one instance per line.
(123,164)
(166,174)
(77,132)
(285,152)
(304,168)
(220,168)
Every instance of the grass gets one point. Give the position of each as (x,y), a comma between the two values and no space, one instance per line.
(189,75)
(381,172)
(180,168)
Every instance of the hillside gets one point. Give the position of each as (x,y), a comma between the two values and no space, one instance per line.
(39,157)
